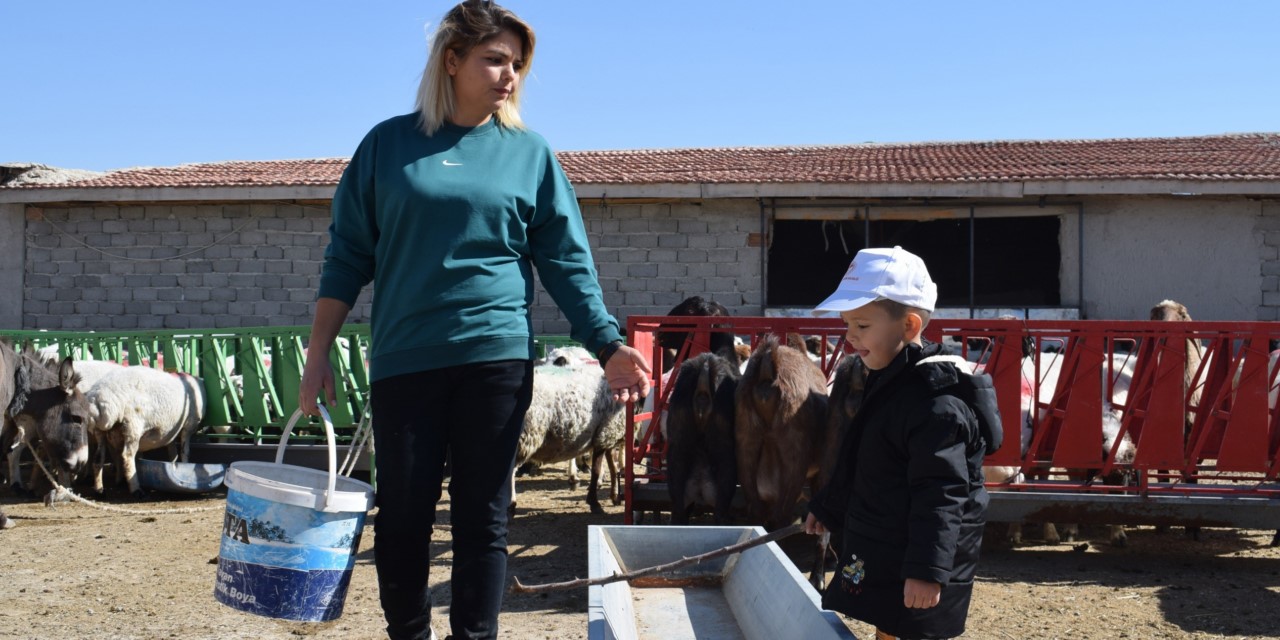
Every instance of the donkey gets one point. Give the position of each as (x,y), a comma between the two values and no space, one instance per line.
(44,410)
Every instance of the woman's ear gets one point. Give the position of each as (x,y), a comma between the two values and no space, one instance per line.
(914,326)
(451,62)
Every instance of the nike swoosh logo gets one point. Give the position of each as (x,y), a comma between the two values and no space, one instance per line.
(451,164)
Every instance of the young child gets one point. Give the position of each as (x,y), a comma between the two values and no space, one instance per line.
(906,500)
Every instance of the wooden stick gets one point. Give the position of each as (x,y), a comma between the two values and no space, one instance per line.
(518,587)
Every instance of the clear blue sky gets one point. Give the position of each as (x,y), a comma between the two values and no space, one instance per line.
(107,85)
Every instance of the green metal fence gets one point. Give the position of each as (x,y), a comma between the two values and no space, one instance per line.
(251,375)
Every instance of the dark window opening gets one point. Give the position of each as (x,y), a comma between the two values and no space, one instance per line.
(1016,260)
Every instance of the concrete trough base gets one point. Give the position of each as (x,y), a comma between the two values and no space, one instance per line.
(756,594)
(1199,511)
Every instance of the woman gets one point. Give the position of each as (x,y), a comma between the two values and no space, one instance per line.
(450,209)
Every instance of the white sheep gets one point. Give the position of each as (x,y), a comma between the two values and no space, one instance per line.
(572,412)
(139,409)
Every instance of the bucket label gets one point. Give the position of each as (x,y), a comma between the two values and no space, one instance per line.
(285,561)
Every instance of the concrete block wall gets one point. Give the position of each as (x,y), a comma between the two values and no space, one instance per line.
(1268,228)
(651,257)
(112,267)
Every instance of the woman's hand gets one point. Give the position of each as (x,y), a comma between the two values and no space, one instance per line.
(316,374)
(921,594)
(628,374)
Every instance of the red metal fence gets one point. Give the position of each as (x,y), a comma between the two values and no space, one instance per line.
(1206,429)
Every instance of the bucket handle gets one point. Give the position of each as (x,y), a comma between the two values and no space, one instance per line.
(333,449)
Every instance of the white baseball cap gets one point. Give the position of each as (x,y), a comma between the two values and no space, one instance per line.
(892,274)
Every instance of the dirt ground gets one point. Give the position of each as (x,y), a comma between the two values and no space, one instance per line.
(78,572)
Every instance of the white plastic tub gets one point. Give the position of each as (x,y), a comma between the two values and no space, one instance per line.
(755,595)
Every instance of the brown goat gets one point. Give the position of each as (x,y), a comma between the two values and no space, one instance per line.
(1173,311)
(779,431)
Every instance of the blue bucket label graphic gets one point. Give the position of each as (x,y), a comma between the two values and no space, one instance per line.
(285,561)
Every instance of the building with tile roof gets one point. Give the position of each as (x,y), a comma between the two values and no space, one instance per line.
(1076,228)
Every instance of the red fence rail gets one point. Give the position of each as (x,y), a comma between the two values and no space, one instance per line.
(1210,428)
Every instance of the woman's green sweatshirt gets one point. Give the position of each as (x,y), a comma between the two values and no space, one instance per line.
(451,227)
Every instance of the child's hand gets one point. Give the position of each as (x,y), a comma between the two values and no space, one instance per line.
(812,526)
(920,594)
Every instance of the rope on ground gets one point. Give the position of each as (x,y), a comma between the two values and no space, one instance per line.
(60,490)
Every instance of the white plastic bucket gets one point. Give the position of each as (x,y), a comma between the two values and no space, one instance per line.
(290,536)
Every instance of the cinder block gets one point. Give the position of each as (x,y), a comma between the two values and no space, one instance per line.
(191,225)
(643,270)
(266,308)
(149,321)
(634,225)
(633,255)
(672,269)
(733,240)
(638,298)
(673,241)
(612,270)
(702,269)
(663,284)
(296,254)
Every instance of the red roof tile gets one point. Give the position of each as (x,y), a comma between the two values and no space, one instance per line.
(1244,157)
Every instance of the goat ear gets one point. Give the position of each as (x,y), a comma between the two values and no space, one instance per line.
(67,376)
(21,388)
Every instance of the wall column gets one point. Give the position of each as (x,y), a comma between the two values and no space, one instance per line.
(13,223)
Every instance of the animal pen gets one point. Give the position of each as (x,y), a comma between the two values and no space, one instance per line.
(251,378)
(1206,436)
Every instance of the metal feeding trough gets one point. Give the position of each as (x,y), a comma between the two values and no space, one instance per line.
(755,594)
(180,477)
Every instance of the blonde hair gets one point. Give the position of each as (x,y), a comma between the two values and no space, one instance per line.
(466,26)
